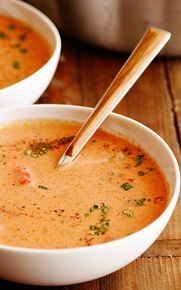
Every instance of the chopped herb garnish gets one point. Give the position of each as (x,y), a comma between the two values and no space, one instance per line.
(112,172)
(28,152)
(104,208)
(96,230)
(11,26)
(23,50)
(3,35)
(128,213)
(139,202)
(126,186)
(139,160)
(37,149)
(16,64)
(22,37)
(141,173)
(42,187)
(103,225)
(94,207)
(86,214)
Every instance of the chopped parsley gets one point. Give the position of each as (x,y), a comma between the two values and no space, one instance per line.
(104,208)
(96,230)
(139,159)
(94,207)
(3,35)
(139,202)
(11,26)
(37,149)
(23,50)
(103,223)
(22,37)
(42,187)
(127,213)
(16,64)
(126,186)
(141,173)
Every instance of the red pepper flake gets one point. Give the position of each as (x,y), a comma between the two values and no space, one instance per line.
(23,175)
(159,200)
(127,166)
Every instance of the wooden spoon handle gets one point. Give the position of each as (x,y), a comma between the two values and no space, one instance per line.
(148,47)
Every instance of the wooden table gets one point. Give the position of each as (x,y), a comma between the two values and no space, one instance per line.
(82,76)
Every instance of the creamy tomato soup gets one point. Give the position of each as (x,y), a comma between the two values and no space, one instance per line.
(22,51)
(113,189)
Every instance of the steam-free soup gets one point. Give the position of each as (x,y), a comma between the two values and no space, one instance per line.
(113,189)
(22,51)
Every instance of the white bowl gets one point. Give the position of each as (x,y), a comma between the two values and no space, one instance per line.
(27,91)
(69,266)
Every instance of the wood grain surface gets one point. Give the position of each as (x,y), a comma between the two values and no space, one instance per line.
(82,76)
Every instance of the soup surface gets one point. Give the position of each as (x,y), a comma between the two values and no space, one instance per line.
(113,188)
(22,51)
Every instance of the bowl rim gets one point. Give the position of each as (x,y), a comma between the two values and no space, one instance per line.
(167,211)
(54,30)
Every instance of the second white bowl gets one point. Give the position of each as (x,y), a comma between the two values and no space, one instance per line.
(30,89)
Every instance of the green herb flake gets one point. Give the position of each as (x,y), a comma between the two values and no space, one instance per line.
(42,187)
(127,213)
(28,152)
(23,50)
(104,208)
(94,207)
(11,26)
(139,159)
(3,35)
(103,223)
(97,230)
(86,214)
(16,64)
(139,202)
(94,230)
(141,173)
(126,186)
(22,37)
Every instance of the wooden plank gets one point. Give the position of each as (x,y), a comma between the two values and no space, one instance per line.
(93,285)
(146,274)
(65,88)
(168,248)
(174,77)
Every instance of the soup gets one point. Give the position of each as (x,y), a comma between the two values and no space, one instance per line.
(22,51)
(111,190)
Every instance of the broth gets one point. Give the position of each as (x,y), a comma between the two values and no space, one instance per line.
(113,189)
(22,51)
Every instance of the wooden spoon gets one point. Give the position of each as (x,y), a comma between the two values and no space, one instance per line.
(149,46)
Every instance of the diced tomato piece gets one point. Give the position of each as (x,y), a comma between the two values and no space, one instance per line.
(23,175)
